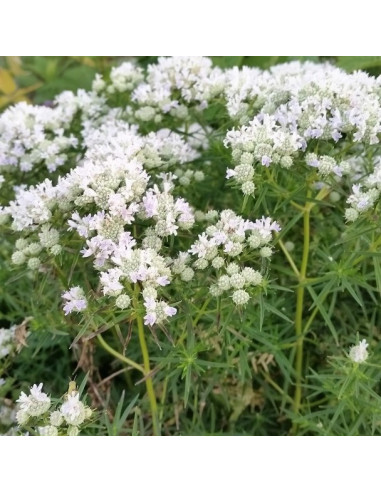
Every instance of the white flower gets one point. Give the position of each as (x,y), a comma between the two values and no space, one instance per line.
(56,418)
(123,301)
(157,311)
(73,410)
(48,430)
(228,239)
(240,297)
(22,417)
(150,318)
(359,352)
(72,431)
(74,300)
(37,403)
(170,311)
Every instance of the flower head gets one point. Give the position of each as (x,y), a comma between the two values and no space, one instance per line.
(74,300)
(359,352)
(37,403)
(73,410)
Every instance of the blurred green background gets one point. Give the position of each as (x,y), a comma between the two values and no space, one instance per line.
(39,78)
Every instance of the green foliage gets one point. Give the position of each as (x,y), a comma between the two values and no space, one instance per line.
(371,64)
(115,427)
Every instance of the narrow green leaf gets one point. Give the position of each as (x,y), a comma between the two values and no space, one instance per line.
(319,304)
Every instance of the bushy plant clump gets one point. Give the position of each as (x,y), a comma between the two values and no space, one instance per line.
(203,243)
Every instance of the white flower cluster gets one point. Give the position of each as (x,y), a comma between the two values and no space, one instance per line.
(227,239)
(317,100)
(7,341)
(28,252)
(296,105)
(264,141)
(292,104)
(75,300)
(112,173)
(359,353)
(34,134)
(119,193)
(31,135)
(129,265)
(37,404)
(112,178)
(174,83)
(327,165)
(124,78)
(33,405)
(364,199)
(163,148)
(73,411)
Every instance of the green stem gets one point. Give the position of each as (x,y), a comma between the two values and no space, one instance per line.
(146,363)
(289,258)
(299,308)
(373,248)
(312,316)
(201,312)
(119,356)
(276,386)
(319,197)
(300,297)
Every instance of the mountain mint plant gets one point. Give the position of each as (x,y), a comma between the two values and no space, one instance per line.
(203,242)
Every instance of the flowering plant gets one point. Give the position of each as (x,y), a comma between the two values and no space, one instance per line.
(235,210)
